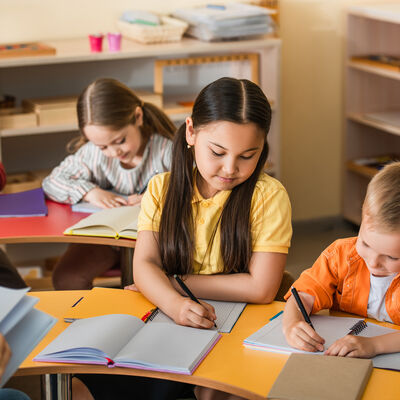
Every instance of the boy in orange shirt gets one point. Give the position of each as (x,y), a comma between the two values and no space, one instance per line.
(359,275)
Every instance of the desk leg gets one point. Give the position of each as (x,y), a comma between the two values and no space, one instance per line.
(126,265)
(56,387)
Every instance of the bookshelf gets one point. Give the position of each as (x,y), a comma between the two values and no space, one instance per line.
(372,104)
(73,67)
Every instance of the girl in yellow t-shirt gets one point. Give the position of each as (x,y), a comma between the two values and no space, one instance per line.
(223,226)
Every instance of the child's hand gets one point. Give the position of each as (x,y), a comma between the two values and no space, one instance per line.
(353,346)
(104,199)
(134,199)
(301,336)
(190,313)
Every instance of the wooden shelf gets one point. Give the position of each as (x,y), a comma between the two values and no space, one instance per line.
(389,12)
(38,130)
(373,69)
(73,66)
(175,111)
(363,119)
(77,50)
(372,86)
(363,170)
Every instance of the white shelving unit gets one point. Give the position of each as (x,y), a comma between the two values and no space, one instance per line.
(372,95)
(74,67)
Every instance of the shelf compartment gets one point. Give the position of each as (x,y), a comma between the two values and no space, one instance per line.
(363,118)
(372,68)
(363,170)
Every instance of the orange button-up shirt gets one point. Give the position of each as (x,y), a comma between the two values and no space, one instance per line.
(340,280)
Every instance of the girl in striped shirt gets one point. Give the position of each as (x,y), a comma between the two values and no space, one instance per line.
(124,142)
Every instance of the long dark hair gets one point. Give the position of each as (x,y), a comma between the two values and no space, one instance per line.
(226,99)
(108,102)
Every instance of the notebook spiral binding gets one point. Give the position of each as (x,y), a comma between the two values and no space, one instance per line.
(357,327)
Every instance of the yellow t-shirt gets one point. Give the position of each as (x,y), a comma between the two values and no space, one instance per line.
(270,216)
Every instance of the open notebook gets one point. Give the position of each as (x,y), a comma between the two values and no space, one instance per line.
(126,341)
(22,326)
(118,222)
(271,338)
(103,301)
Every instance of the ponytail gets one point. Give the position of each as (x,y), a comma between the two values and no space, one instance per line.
(176,227)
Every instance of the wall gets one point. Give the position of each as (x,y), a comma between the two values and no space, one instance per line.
(312,80)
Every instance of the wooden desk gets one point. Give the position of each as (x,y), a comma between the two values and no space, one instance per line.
(229,366)
(50,229)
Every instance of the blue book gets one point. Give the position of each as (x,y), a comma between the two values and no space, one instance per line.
(30,203)
(22,326)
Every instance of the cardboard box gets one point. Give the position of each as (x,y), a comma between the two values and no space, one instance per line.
(52,110)
(16,118)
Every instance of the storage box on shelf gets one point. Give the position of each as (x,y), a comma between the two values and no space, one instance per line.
(170,30)
(372,126)
(14,118)
(52,110)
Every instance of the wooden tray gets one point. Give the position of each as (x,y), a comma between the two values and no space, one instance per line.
(26,50)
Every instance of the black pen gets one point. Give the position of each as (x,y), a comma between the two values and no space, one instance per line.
(187,291)
(301,307)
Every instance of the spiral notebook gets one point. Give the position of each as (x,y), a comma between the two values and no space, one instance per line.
(271,338)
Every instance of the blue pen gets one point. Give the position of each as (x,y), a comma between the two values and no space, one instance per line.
(276,315)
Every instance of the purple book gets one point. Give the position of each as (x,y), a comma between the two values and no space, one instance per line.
(23,204)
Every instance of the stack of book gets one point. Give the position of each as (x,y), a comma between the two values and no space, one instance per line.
(223,22)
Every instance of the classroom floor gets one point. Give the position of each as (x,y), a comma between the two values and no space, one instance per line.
(309,239)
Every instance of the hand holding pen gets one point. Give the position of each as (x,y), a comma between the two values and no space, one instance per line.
(298,334)
(206,306)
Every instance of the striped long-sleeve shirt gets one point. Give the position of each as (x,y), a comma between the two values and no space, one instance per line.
(89,168)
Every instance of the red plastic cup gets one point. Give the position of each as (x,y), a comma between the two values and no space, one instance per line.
(96,43)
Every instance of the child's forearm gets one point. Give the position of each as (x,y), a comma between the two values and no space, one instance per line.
(389,343)
(227,287)
(259,285)
(155,285)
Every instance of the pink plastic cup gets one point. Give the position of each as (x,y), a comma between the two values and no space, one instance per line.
(96,43)
(114,41)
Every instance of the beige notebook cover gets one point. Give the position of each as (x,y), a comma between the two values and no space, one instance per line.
(306,377)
